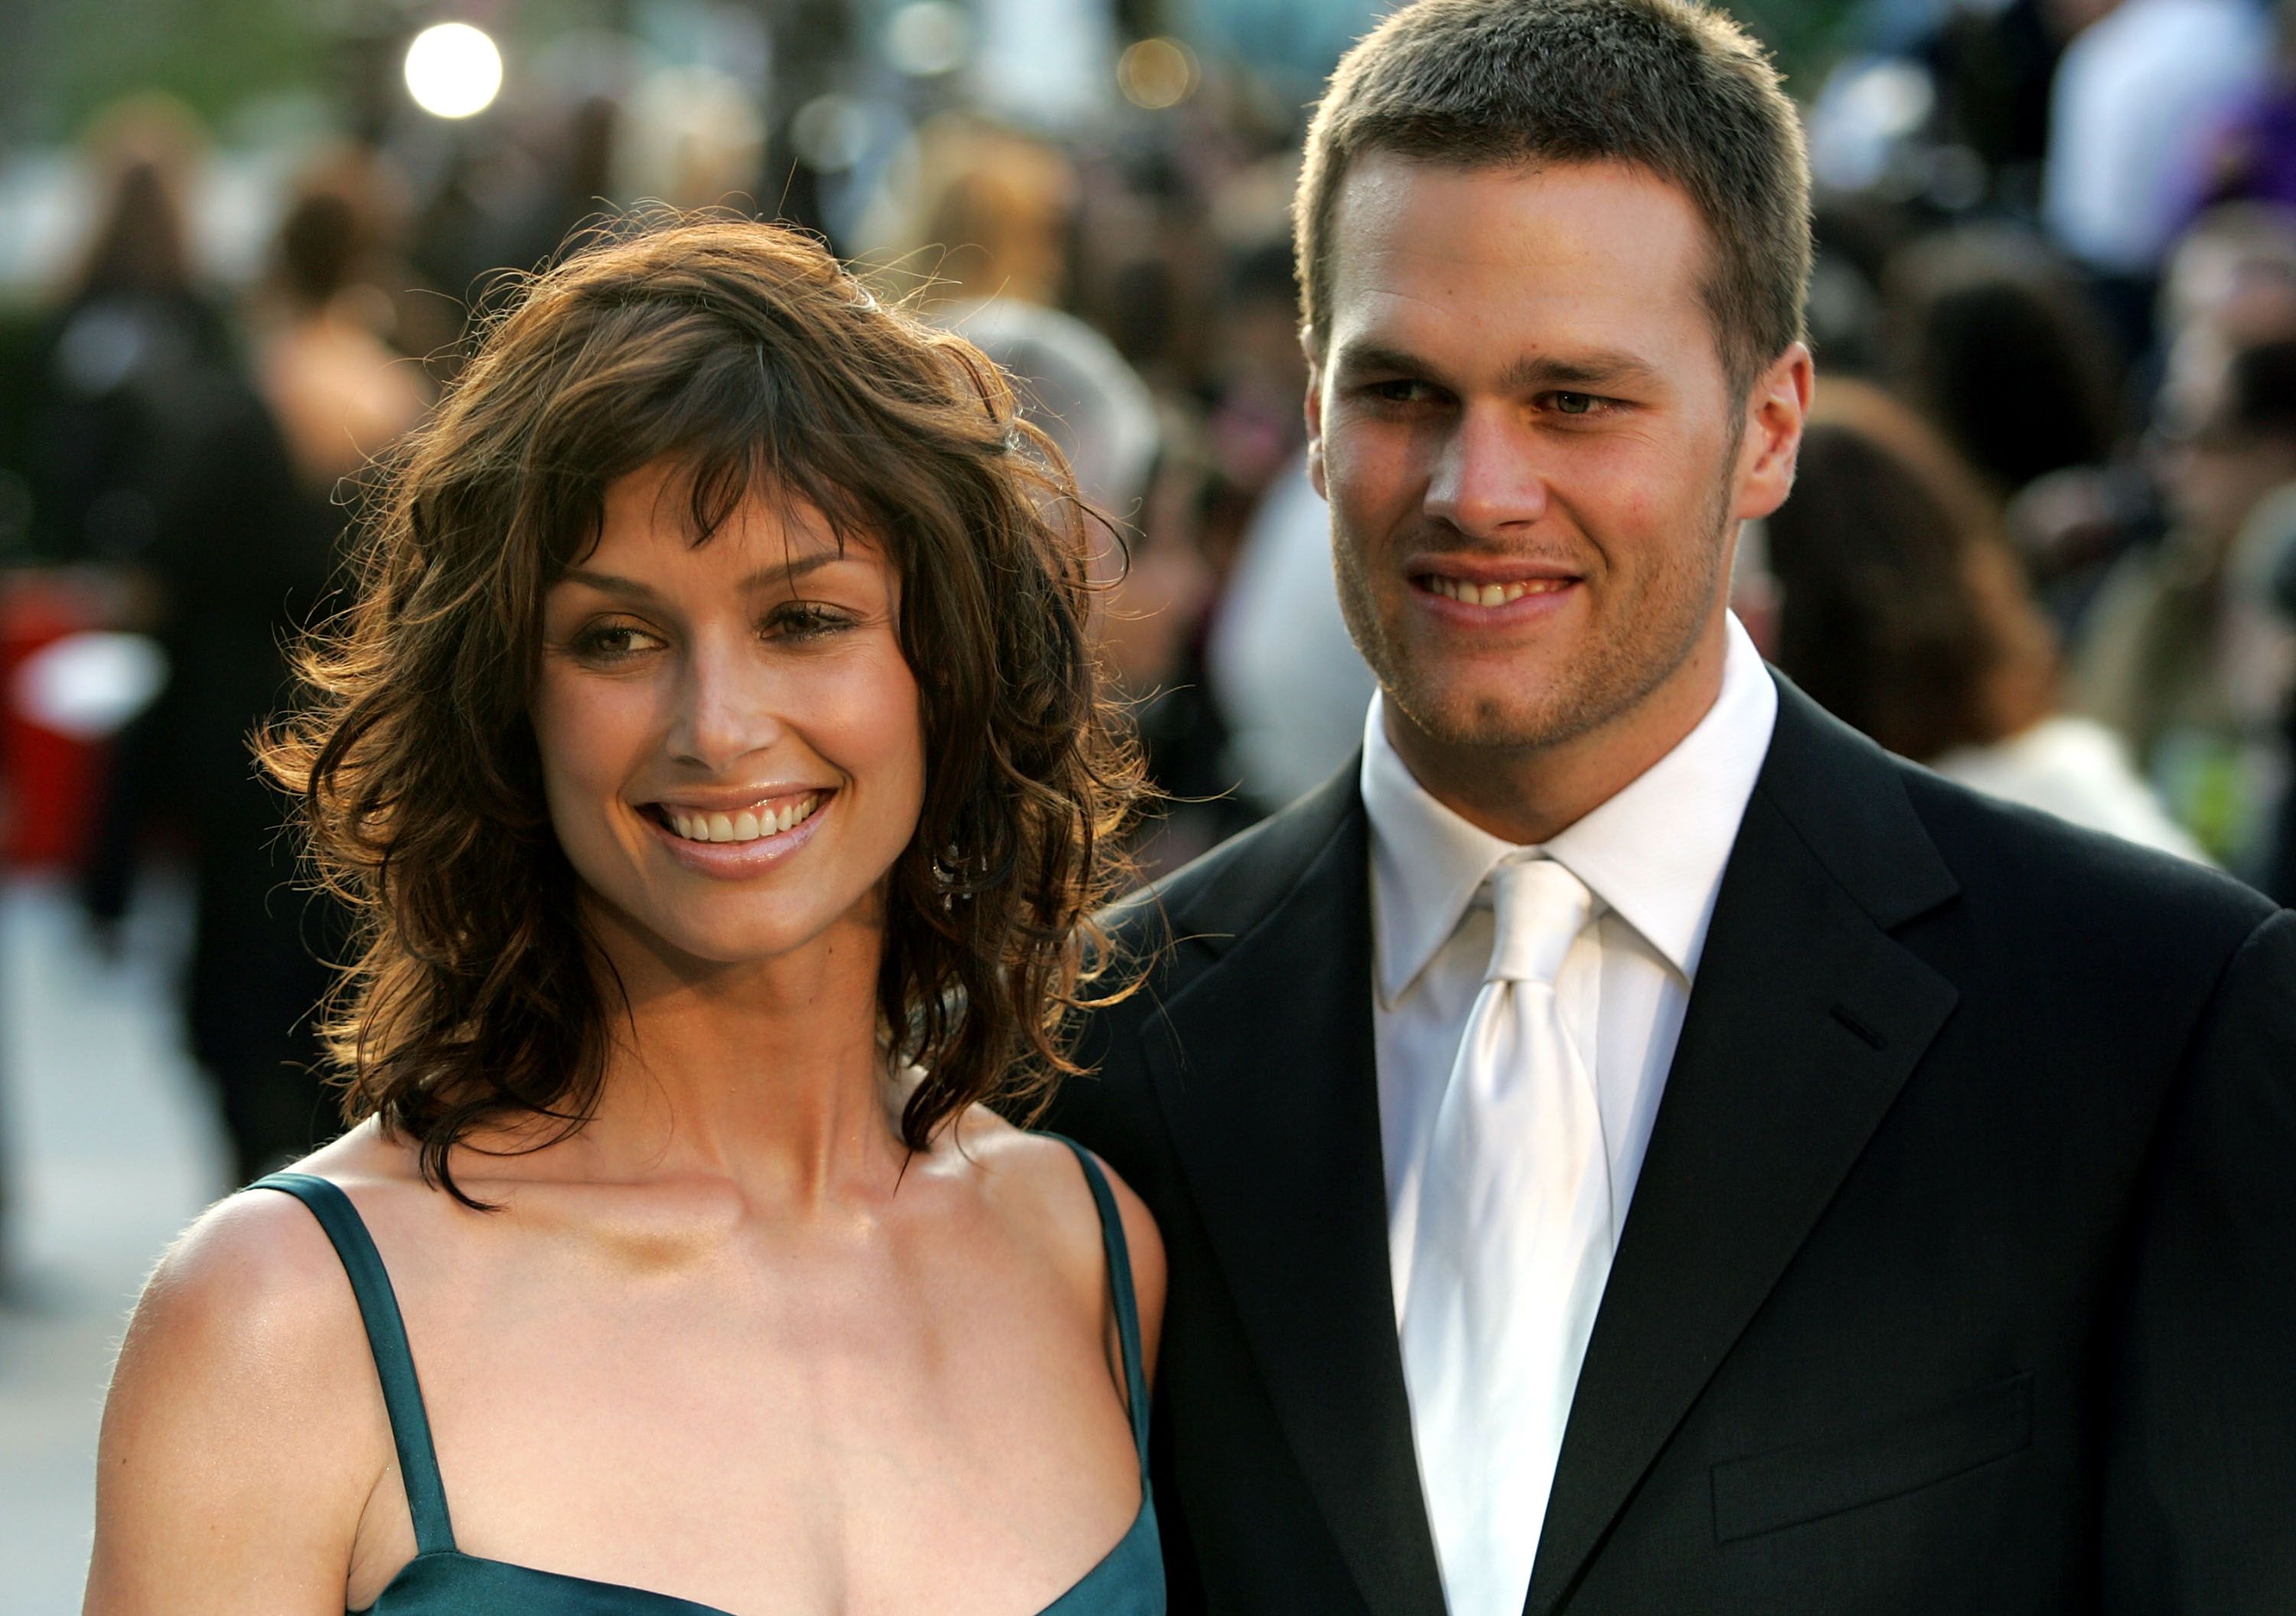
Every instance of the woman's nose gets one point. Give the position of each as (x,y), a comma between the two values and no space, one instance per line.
(726,709)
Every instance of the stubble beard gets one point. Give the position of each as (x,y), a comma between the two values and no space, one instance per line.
(1635,650)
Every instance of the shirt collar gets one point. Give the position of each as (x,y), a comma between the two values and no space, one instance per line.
(1654,852)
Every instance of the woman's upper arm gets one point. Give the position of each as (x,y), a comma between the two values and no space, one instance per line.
(243,1432)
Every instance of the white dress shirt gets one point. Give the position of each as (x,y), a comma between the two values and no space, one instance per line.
(1652,857)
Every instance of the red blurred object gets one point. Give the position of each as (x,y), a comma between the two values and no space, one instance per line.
(52,782)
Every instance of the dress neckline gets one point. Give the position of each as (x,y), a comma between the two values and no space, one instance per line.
(670,1604)
(418,1460)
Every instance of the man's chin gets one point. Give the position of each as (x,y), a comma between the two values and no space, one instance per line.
(1485,719)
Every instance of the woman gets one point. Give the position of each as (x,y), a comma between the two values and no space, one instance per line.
(714,755)
(1902,612)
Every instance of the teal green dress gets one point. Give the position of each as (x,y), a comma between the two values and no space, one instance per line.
(441,1580)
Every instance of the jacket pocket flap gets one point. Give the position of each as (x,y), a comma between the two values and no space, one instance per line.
(1810,1480)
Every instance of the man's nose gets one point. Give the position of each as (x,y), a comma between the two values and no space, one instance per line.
(727,708)
(1486,478)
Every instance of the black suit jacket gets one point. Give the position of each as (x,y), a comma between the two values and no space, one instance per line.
(1960,1276)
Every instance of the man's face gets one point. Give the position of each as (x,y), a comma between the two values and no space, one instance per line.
(1534,464)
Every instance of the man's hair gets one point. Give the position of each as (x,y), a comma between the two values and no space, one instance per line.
(1666,85)
(746,357)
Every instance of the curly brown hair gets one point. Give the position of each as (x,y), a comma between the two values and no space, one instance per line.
(745,354)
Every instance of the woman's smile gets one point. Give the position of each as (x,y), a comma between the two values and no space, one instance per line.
(730,846)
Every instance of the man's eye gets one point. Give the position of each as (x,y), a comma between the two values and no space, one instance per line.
(1401,391)
(1575,404)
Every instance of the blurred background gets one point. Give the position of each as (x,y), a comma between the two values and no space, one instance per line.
(2042,540)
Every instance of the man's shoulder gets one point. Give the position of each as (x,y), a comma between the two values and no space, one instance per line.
(1207,904)
(1912,843)
(2085,898)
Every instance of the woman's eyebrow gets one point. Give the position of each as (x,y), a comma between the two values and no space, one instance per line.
(785,573)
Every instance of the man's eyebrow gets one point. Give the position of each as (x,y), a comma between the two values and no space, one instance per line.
(1602,367)
(1598,368)
(788,572)
(1360,357)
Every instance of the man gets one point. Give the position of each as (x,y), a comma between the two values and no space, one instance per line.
(1628,1144)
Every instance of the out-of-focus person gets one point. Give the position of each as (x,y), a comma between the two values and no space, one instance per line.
(2183,654)
(1900,608)
(136,338)
(2137,94)
(1284,668)
(1135,470)
(1992,338)
(985,212)
(2251,152)
(246,547)
(2230,283)
(340,392)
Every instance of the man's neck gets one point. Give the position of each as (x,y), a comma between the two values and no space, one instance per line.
(1529,794)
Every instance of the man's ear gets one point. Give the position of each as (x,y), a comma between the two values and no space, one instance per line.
(1315,408)
(1776,413)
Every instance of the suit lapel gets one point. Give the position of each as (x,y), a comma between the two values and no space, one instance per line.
(1264,1067)
(1806,1020)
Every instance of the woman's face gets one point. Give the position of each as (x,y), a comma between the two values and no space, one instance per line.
(731,743)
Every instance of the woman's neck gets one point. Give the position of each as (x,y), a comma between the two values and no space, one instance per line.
(770,1073)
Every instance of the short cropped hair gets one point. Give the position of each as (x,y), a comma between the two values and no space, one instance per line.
(1666,85)
(746,357)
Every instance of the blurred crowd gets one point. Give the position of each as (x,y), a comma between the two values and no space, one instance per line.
(2044,538)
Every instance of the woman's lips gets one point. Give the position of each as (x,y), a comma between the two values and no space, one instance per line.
(766,816)
(738,855)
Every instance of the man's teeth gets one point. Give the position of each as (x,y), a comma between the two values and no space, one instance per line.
(746,825)
(1491,594)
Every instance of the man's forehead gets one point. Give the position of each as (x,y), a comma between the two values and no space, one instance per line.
(1604,260)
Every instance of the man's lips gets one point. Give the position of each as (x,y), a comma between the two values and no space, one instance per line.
(1467,591)
(1490,591)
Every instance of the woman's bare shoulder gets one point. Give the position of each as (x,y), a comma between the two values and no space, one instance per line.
(243,1411)
(1041,1172)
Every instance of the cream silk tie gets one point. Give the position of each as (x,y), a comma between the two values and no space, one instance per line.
(1512,1249)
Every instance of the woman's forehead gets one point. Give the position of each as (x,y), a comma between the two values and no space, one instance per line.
(675,504)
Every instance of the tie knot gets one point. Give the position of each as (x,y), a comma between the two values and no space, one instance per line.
(1541,908)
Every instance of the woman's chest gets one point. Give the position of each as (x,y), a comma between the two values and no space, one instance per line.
(774,1440)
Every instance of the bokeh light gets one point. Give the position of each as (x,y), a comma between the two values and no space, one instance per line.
(453,70)
(928,37)
(1157,73)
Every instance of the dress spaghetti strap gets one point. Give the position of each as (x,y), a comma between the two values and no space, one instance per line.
(386,1335)
(1119,1286)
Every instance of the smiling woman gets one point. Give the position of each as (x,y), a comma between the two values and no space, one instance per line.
(719,376)
(716,755)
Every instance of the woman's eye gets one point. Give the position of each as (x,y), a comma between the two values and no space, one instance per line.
(805,620)
(606,642)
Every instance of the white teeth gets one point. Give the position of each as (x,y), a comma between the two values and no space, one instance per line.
(746,824)
(1491,594)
